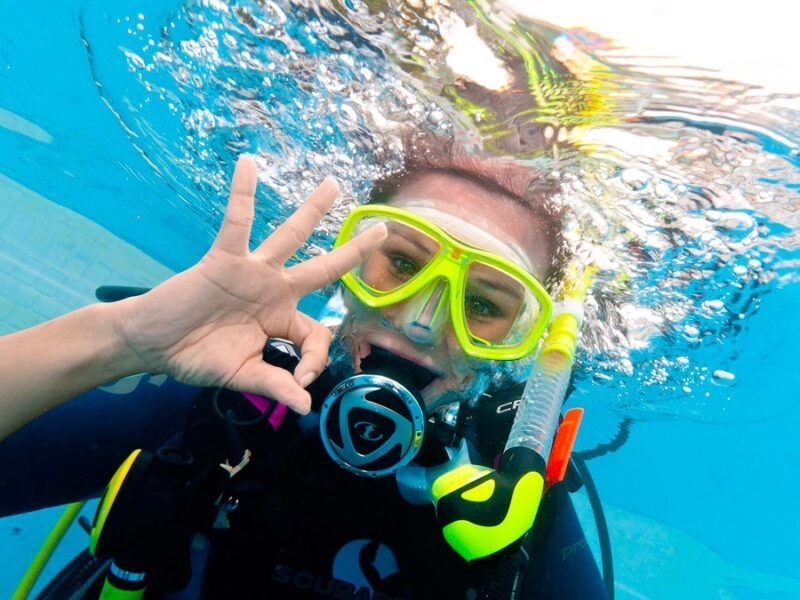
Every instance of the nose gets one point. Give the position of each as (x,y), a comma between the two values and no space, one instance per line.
(424,314)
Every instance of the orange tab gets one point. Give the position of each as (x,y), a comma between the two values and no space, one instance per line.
(562,446)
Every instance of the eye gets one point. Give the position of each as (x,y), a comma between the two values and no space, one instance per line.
(402,266)
(479,307)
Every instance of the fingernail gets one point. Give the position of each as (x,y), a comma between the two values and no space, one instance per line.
(307,379)
(305,408)
(379,231)
(331,179)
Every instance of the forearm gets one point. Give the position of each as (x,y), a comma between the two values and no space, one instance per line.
(48,364)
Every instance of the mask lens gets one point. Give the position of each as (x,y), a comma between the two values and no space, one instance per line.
(499,309)
(404,255)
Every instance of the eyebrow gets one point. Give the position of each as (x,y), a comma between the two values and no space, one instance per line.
(413,242)
(503,288)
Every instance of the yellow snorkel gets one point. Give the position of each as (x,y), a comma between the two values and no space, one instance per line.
(483,510)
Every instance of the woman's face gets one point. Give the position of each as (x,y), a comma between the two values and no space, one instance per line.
(470,213)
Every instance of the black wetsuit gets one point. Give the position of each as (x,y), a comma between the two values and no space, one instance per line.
(303,527)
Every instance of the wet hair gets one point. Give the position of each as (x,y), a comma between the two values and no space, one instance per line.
(509,178)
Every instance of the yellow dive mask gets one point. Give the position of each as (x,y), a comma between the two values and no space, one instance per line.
(498,310)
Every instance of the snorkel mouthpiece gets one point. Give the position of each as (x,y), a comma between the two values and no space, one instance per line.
(373,423)
(483,510)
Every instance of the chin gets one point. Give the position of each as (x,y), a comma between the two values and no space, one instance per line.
(342,356)
(353,342)
(456,389)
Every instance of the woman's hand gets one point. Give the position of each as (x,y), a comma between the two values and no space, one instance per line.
(207,326)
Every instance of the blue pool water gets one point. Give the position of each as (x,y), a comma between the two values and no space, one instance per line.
(120,126)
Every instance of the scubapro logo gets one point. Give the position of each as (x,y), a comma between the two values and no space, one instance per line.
(351,558)
(348,581)
(367,431)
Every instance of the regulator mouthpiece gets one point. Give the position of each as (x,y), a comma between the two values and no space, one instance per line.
(373,423)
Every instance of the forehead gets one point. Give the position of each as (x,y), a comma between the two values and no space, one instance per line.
(493,212)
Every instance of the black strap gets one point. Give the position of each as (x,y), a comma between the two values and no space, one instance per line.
(83,577)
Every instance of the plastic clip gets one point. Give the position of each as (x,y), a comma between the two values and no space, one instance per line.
(562,446)
(233,470)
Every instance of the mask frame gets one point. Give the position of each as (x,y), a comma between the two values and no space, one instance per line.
(451,263)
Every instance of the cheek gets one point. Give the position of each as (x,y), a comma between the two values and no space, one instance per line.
(452,348)
(374,271)
(357,311)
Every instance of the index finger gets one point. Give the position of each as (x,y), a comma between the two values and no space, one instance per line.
(327,268)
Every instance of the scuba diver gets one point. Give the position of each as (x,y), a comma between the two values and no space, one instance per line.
(374,492)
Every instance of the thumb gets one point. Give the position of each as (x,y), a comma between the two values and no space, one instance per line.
(258,377)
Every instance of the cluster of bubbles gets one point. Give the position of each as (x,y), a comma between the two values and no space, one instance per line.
(678,187)
(295,86)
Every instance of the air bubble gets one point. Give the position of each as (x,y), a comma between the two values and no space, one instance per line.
(662,189)
(635,179)
(598,377)
(765,196)
(136,60)
(723,378)
(714,305)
